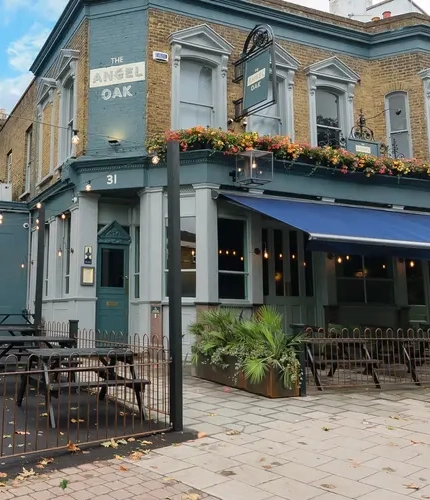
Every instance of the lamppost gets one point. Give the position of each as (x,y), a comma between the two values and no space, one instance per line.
(174,285)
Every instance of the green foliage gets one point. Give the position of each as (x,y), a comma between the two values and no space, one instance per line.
(258,344)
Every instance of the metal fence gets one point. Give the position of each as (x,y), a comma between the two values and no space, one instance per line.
(107,387)
(369,358)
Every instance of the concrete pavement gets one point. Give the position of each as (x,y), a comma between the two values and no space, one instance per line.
(365,446)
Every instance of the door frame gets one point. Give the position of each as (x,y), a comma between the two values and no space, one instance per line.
(113,236)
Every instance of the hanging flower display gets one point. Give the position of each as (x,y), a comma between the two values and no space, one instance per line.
(231,143)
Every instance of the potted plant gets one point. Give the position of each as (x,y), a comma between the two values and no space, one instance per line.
(252,354)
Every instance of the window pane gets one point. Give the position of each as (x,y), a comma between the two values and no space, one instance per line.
(309,274)
(112,268)
(232,286)
(294,266)
(265,245)
(327,107)
(400,144)
(378,267)
(397,121)
(196,94)
(267,121)
(192,115)
(278,257)
(188,243)
(415,282)
(350,290)
(328,137)
(231,245)
(188,284)
(380,292)
(349,266)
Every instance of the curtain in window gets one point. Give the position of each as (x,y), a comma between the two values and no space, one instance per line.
(196,95)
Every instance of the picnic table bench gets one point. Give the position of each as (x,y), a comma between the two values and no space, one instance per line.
(52,362)
(23,343)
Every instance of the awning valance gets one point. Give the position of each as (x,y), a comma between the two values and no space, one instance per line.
(342,229)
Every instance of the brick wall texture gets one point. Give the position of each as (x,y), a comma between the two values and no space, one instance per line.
(378,77)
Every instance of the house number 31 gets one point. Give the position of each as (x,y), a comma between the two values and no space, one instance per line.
(111,179)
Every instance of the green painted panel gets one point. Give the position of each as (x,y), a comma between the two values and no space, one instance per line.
(256,80)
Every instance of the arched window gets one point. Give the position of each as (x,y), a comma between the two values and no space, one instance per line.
(398,125)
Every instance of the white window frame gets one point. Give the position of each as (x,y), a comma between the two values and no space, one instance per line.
(247,260)
(47,260)
(333,75)
(425,75)
(201,44)
(66,254)
(390,134)
(286,68)
(28,149)
(136,263)
(45,98)
(66,78)
(9,165)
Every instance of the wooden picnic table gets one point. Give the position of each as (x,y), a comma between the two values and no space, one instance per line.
(18,329)
(24,342)
(53,360)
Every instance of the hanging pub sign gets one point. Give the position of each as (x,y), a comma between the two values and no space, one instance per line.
(256,68)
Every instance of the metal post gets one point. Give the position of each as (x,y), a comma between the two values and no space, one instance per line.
(174,286)
(39,269)
(73,328)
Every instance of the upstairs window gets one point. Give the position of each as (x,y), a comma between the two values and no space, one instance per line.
(398,125)
(329,119)
(196,95)
(9,167)
(28,153)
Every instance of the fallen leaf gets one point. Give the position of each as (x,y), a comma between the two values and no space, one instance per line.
(390,428)
(328,486)
(76,421)
(267,467)
(191,496)
(131,440)
(63,484)
(355,464)
(110,444)
(3,474)
(25,474)
(46,461)
(416,442)
(262,459)
(227,389)
(232,433)
(43,414)
(22,433)
(169,479)
(72,447)
(74,408)
(2,485)
(136,455)
(6,436)
(121,441)
(412,486)
(122,468)
(326,429)
(201,435)
(395,417)
(212,414)
(389,469)
(392,444)
(118,457)
(145,443)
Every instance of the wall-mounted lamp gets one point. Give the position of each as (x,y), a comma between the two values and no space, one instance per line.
(60,252)
(88,186)
(114,142)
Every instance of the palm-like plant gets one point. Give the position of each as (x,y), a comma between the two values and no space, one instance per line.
(259,343)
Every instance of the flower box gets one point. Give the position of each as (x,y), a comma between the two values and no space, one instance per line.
(270,387)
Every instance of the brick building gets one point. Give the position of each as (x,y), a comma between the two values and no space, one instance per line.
(113,74)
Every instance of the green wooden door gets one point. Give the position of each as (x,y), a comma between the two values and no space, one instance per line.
(113,284)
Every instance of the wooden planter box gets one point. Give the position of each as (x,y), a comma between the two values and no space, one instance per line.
(270,387)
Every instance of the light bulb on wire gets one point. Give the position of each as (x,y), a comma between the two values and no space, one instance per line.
(155,160)
(254,164)
(39,205)
(1,218)
(266,254)
(60,253)
(88,186)
(75,138)
(63,216)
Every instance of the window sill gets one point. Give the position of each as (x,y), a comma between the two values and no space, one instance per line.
(44,180)
(24,195)
(186,301)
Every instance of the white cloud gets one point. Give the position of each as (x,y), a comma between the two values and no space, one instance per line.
(22,52)
(11,89)
(41,9)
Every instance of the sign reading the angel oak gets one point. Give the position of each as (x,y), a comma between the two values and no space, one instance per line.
(117,78)
(256,68)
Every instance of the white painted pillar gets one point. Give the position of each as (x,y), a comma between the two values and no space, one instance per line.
(151,244)
(255,264)
(206,244)
(52,260)
(83,233)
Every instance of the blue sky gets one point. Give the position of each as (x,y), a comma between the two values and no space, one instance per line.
(25,25)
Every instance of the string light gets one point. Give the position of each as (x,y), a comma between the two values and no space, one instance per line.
(75,138)
(383,266)
(280,256)
(241,259)
(88,186)
(254,164)
(347,257)
(220,252)
(266,254)
(60,252)
(22,265)
(1,218)
(293,256)
(39,205)
(411,263)
(193,252)
(63,216)
(339,260)
(155,160)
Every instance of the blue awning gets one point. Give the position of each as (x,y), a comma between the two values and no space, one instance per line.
(343,229)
